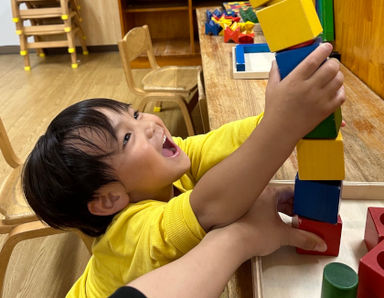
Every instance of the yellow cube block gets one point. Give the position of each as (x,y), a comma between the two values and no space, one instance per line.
(257,3)
(288,23)
(321,159)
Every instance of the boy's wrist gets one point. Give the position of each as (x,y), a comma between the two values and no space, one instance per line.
(231,241)
(281,134)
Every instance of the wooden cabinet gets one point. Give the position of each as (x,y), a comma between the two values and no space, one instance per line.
(172,25)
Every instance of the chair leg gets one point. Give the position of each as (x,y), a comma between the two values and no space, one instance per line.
(37,38)
(82,38)
(157,107)
(142,105)
(187,118)
(24,52)
(71,42)
(19,233)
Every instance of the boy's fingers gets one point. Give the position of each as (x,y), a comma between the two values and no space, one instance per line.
(313,61)
(274,74)
(305,240)
(334,85)
(340,95)
(328,72)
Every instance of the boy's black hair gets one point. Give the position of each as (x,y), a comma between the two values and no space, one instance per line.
(66,167)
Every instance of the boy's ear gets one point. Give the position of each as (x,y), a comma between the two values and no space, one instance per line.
(109,199)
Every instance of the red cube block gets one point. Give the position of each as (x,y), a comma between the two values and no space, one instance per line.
(371,273)
(330,233)
(374,227)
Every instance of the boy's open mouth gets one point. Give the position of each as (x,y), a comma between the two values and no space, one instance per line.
(169,148)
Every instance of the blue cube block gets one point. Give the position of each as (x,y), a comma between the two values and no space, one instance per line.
(318,200)
(287,60)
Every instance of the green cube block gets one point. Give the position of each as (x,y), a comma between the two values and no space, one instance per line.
(328,128)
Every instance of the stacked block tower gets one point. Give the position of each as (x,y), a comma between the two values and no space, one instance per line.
(291,29)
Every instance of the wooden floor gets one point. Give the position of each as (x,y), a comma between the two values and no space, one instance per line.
(48,267)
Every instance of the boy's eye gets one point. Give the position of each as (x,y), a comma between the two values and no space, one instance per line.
(127,136)
(136,114)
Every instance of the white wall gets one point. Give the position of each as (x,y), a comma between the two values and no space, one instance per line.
(8,35)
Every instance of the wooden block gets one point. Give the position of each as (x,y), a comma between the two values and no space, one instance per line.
(288,59)
(231,35)
(317,200)
(288,23)
(325,12)
(246,38)
(371,273)
(252,61)
(321,159)
(339,280)
(257,3)
(330,233)
(328,128)
(374,227)
(212,28)
(248,15)
(241,50)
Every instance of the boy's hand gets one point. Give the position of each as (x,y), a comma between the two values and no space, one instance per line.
(263,231)
(310,93)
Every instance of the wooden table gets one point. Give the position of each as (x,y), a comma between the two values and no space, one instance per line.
(229,99)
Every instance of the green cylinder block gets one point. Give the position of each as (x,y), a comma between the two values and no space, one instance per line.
(339,281)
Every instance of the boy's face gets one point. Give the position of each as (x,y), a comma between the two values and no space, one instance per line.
(147,160)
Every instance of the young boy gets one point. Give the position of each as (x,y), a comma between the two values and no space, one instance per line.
(115,173)
(221,252)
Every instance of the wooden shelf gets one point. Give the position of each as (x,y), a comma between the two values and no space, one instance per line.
(156,6)
(208,3)
(172,25)
(154,9)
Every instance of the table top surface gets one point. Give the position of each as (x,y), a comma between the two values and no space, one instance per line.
(229,99)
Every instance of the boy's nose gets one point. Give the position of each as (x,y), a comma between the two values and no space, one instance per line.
(149,128)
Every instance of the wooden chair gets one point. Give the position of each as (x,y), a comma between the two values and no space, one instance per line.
(17,220)
(58,19)
(176,84)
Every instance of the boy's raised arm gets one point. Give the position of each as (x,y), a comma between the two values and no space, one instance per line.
(294,106)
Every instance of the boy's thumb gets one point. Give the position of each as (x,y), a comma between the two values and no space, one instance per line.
(305,240)
(274,74)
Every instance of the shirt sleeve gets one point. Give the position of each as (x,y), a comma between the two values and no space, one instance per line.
(181,225)
(206,150)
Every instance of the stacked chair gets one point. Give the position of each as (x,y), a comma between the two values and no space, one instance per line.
(51,23)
